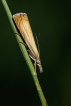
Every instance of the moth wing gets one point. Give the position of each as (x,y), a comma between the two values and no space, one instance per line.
(22,23)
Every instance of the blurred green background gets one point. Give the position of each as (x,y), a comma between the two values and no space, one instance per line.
(52,20)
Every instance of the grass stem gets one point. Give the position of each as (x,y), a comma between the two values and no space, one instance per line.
(25,55)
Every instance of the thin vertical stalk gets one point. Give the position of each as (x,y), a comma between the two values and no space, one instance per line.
(25,55)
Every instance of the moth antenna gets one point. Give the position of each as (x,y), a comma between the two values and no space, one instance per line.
(37,44)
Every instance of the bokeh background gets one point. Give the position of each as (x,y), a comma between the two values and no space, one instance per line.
(51,22)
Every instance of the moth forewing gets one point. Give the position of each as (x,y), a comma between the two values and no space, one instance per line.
(23,25)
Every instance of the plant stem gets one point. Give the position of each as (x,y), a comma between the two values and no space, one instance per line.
(25,54)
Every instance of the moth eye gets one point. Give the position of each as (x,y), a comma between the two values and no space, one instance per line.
(38,61)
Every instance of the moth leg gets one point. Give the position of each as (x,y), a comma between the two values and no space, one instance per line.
(23,43)
(17,33)
(20,42)
(35,67)
(35,73)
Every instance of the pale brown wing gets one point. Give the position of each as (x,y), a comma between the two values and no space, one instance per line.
(22,23)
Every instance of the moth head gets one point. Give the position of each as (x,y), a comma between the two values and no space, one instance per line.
(39,65)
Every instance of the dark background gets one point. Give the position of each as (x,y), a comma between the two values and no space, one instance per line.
(52,20)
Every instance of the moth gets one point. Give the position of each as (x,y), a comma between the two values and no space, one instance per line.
(22,24)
